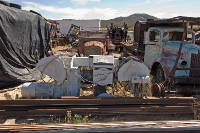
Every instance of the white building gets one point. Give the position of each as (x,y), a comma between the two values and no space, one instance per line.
(88,25)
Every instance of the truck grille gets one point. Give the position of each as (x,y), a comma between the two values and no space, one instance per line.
(195,63)
(93,51)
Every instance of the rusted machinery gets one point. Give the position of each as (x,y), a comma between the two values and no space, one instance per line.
(118,36)
(55,33)
(73,34)
(93,43)
(66,71)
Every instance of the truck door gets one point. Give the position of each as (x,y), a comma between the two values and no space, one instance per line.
(151,48)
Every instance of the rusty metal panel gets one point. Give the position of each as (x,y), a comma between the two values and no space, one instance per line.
(93,51)
(139,29)
(93,42)
(195,63)
(176,21)
(94,48)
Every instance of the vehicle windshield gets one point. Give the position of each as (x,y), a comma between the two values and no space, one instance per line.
(154,36)
(177,36)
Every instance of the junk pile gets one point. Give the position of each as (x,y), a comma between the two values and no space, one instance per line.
(72,35)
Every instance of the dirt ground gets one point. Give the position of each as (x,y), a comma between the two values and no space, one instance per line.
(11,94)
(66,50)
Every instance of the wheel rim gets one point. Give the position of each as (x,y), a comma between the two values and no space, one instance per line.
(158,90)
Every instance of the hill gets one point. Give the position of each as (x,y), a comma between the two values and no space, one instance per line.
(130,20)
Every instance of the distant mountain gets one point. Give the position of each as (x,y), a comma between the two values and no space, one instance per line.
(130,20)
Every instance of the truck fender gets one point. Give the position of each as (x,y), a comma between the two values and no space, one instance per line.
(166,63)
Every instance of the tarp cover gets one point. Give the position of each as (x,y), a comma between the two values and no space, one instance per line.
(24,39)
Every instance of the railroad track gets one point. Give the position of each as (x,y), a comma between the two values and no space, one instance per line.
(102,107)
(116,127)
(96,106)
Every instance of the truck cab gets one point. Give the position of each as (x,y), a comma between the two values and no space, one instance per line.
(160,48)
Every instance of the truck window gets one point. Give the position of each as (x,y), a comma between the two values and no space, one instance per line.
(189,37)
(154,36)
(176,36)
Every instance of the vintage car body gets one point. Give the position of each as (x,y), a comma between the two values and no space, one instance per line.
(164,52)
(93,44)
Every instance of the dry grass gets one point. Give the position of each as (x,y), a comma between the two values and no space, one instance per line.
(13,94)
(123,89)
(67,50)
(126,89)
(76,118)
(196,108)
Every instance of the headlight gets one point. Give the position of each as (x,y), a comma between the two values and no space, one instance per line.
(183,63)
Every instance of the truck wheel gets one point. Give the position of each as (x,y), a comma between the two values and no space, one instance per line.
(159,74)
(5,3)
(97,90)
(157,90)
(15,6)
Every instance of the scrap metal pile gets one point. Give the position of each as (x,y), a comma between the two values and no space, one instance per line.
(165,49)
(66,71)
(72,35)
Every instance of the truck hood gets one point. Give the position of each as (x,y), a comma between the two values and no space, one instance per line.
(187,47)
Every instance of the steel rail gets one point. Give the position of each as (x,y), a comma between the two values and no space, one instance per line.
(96,106)
(138,127)
(99,111)
(97,101)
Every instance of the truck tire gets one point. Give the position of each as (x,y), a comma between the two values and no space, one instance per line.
(159,74)
(5,3)
(15,6)
(35,12)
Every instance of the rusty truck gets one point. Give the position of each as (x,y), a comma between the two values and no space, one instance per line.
(167,47)
(93,43)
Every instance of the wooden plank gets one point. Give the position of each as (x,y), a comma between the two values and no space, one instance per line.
(10,121)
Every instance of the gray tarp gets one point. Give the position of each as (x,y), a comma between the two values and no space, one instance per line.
(24,39)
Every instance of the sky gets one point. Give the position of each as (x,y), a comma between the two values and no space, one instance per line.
(109,9)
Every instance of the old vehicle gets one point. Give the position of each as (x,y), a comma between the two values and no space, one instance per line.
(93,43)
(168,48)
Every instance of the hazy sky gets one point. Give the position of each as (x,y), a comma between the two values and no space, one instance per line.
(108,9)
